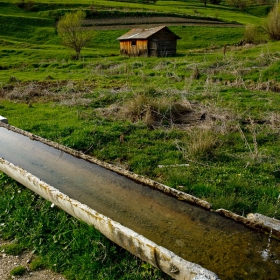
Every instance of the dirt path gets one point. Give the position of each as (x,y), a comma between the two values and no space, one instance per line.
(9,262)
(148,22)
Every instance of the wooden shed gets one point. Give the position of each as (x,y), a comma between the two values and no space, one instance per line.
(157,41)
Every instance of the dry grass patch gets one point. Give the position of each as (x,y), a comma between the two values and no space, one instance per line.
(153,111)
(202,142)
(46,91)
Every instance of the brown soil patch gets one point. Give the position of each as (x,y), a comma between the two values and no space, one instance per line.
(149,22)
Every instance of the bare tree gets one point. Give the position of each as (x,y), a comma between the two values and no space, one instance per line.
(72,34)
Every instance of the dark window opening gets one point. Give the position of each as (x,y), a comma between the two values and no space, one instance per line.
(133,43)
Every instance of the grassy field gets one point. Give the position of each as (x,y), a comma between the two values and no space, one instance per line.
(214,108)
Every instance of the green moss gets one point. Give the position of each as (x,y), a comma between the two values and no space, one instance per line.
(18,271)
(37,263)
(12,249)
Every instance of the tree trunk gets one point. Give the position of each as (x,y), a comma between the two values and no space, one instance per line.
(78,54)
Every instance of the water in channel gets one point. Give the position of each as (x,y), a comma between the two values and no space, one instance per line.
(228,248)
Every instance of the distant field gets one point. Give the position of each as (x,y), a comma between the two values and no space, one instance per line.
(193,8)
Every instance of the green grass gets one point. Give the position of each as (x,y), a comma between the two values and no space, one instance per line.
(61,242)
(233,154)
(37,51)
(259,11)
(193,8)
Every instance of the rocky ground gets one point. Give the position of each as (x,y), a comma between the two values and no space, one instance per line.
(9,262)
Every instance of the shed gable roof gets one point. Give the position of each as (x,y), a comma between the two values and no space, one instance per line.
(141,33)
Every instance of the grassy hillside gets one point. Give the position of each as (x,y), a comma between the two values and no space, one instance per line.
(194,8)
(213,107)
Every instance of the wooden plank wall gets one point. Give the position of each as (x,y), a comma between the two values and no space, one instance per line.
(134,47)
(166,43)
(162,43)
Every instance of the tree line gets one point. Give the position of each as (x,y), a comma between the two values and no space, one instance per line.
(241,4)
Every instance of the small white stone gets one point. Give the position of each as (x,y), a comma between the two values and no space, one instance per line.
(200,277)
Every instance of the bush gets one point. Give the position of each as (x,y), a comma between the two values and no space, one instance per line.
(272,24)
(254,34)
(28,6)
(241,4)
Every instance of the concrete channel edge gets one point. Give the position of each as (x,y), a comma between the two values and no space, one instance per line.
(137,244)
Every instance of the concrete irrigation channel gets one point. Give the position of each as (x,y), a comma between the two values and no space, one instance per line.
(173,231)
